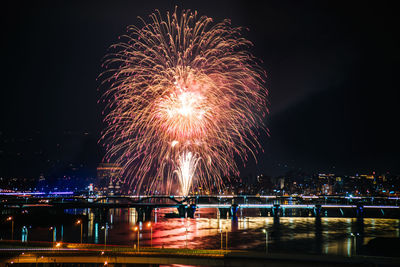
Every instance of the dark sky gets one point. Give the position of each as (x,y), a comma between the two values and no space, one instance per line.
(331,74)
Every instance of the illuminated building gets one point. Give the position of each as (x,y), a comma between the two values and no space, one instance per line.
(325,176)
(108,174)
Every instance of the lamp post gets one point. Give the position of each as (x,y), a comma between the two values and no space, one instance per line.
(221,238)
(105,228)
(266,240)
(136,229)
(12,226)
(151,233)
(80,222)
(226,239)
(53,234)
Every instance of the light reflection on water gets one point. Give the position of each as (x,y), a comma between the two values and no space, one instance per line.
(288,234)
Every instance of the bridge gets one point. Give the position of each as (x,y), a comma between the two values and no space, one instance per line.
(227,205)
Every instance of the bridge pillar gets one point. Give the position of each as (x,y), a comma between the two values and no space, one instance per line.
(190,211)
(275,210)
(233,211)
(317,211)
(182,211)
(360,219)
(360,211)
(140,216)
(144,213)
(187,211)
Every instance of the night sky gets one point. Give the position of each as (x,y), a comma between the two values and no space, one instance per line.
(331,66)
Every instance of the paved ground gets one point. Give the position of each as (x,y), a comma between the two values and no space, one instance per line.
(41,252)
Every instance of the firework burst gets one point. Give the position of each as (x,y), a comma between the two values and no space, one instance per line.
(185,96)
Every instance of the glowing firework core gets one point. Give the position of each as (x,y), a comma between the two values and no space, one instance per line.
(184,99)
(182,111)
(187,163)
(187,105)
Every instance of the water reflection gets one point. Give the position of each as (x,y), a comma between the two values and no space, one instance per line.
(96,233)
(24,234)
(340,236)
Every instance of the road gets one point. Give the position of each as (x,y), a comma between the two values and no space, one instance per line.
(126,256)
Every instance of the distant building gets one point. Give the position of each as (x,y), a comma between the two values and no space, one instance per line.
(326,176)
(327,189)
(367,176)
(108,174)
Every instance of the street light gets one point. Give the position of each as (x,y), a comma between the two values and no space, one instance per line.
(105,228)
(12,226)
(220,230)
(226,239)
(80,222)
(151,233)
(137,229)
(53,233)
(266,240)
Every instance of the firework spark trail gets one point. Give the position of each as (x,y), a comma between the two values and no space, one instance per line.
(185,170)
(184,97)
